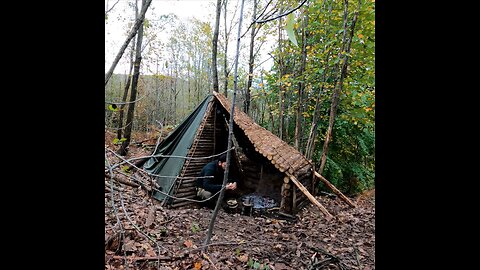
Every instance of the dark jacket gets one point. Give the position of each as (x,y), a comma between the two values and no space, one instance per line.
(208,183)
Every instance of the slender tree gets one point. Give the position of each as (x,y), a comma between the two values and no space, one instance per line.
(131,106)
(225,64)
(316,114)
(301,84)
(110,9)
(310,147)
(214,46)
(281,68)
(127,85)
(133,32)
(246,107)
(226,69)
(339,86)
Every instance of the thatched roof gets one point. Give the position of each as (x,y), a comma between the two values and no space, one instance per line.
(283,156)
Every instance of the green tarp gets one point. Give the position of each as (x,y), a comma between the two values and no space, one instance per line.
(177,144)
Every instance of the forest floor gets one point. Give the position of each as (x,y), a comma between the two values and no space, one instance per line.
(141,234)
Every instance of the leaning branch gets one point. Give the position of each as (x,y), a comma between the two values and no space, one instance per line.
(335,190)
(110,9)
(281,15)
(132,33)
(327,214)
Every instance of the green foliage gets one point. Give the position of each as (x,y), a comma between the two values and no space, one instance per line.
(126,169)
(195,227)
(146,23)
(289,28)
(113,107)
(250,263)
(117,141)
(254,264)
(351,156)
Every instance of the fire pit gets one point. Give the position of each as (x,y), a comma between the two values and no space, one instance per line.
(256,202)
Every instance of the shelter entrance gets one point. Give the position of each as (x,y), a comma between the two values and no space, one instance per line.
(261,163)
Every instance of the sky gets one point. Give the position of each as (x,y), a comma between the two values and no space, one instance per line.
(115,29)
(116,26)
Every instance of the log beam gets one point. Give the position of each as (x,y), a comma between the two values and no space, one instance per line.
(335,190)
(302,188)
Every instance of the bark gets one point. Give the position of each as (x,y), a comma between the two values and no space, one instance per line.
(174,89)
(127,85)
(301,86)
(214,46)
(131,106)
(281,88)
(250,62)
(135,28)
(122,181)
(225,70)
(339,86)
(272,122)
(309,149)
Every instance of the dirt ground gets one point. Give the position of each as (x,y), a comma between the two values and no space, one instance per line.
(141,234)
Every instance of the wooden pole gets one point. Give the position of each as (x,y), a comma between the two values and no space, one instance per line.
(230,134)
(328,216)
(335,190)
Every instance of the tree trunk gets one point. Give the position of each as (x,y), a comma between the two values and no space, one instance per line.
(131,106)
(135,28)
(214,46)
(127,85)
(339,86)
(310,148)
(250,62)
(189,99)
(301,85)
(281,87)
(225,70)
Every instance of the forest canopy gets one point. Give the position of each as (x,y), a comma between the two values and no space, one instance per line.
(307,76)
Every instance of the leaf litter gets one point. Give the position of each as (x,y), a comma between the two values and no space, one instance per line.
(150,236)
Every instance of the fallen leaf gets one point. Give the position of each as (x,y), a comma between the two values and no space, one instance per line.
(150,217)
(281,266)
(151,253)
(198,265)
(188,243)
(243,258)
(129,245)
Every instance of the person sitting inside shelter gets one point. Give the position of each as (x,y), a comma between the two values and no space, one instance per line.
(211,179)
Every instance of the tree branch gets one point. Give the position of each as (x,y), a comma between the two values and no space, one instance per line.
(106,12)
(281,15)
(132,33)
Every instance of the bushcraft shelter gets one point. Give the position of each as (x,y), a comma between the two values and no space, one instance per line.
(261,163)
